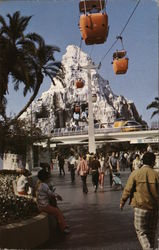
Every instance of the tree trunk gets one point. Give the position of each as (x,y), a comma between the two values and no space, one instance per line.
(29,102)
(29,158)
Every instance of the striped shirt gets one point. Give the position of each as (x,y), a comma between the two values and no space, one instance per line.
(82,167)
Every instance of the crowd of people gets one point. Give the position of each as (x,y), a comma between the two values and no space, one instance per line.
(98,165)
(142,187)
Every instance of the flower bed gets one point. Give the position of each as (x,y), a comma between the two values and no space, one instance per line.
(13,208)
(21,224)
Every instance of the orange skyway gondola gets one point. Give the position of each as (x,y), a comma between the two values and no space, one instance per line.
(94,28)
(79,84)
(88,5)
(120,62)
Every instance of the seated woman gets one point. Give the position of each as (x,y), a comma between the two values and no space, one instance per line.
(45,197)
(23,186)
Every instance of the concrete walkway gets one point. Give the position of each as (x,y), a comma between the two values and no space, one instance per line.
(95,219)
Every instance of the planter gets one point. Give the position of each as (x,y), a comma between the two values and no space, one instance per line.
(28,234)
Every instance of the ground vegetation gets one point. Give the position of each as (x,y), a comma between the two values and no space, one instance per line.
(12,207)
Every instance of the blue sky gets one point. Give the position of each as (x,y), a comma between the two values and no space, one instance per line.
(57,22)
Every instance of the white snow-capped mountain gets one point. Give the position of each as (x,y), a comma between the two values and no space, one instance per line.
(56,107)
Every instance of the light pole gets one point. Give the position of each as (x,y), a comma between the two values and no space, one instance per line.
(49,137)
(91,136)
(30,155)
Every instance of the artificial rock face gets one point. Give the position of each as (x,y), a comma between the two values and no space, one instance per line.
(59,101)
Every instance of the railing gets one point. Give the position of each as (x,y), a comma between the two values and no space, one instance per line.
(84,130)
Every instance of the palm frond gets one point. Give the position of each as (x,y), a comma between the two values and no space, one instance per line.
(2,22)
(23,22)
(155,113)
(16,85)
(26,58)
(36,38)
(25,90)
(153,105)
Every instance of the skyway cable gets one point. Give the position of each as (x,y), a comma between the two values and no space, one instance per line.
(120,33)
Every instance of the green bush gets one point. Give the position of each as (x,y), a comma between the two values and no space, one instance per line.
(13,208)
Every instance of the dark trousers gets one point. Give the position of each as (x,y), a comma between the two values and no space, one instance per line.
(84,178)
(111,178)
(130,166)
(72,171)
(62,169)
(95,178)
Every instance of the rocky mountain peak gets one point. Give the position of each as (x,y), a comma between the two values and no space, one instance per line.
(57,106)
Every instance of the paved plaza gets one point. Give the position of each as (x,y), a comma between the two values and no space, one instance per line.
(95,219)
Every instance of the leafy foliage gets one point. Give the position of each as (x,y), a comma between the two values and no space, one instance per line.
(16,136)
(13,208)
(154,105)
(25,58)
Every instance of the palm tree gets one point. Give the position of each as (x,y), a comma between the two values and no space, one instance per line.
(24,58)
(155,105)
(41,63)
(11,57)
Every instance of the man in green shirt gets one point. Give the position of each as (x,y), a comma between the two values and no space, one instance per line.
(143,190)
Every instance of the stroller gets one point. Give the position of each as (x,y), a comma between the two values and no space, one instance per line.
(117,184)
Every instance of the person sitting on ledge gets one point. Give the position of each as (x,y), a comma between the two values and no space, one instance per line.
(45,197)
(23,185)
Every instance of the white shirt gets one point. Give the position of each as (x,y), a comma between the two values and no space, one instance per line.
(21,183)
(136,164)
(72,160)
(76,116)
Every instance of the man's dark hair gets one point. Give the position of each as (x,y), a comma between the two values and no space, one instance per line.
(43,175)
(149,158)
(84,157)
(45,166)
